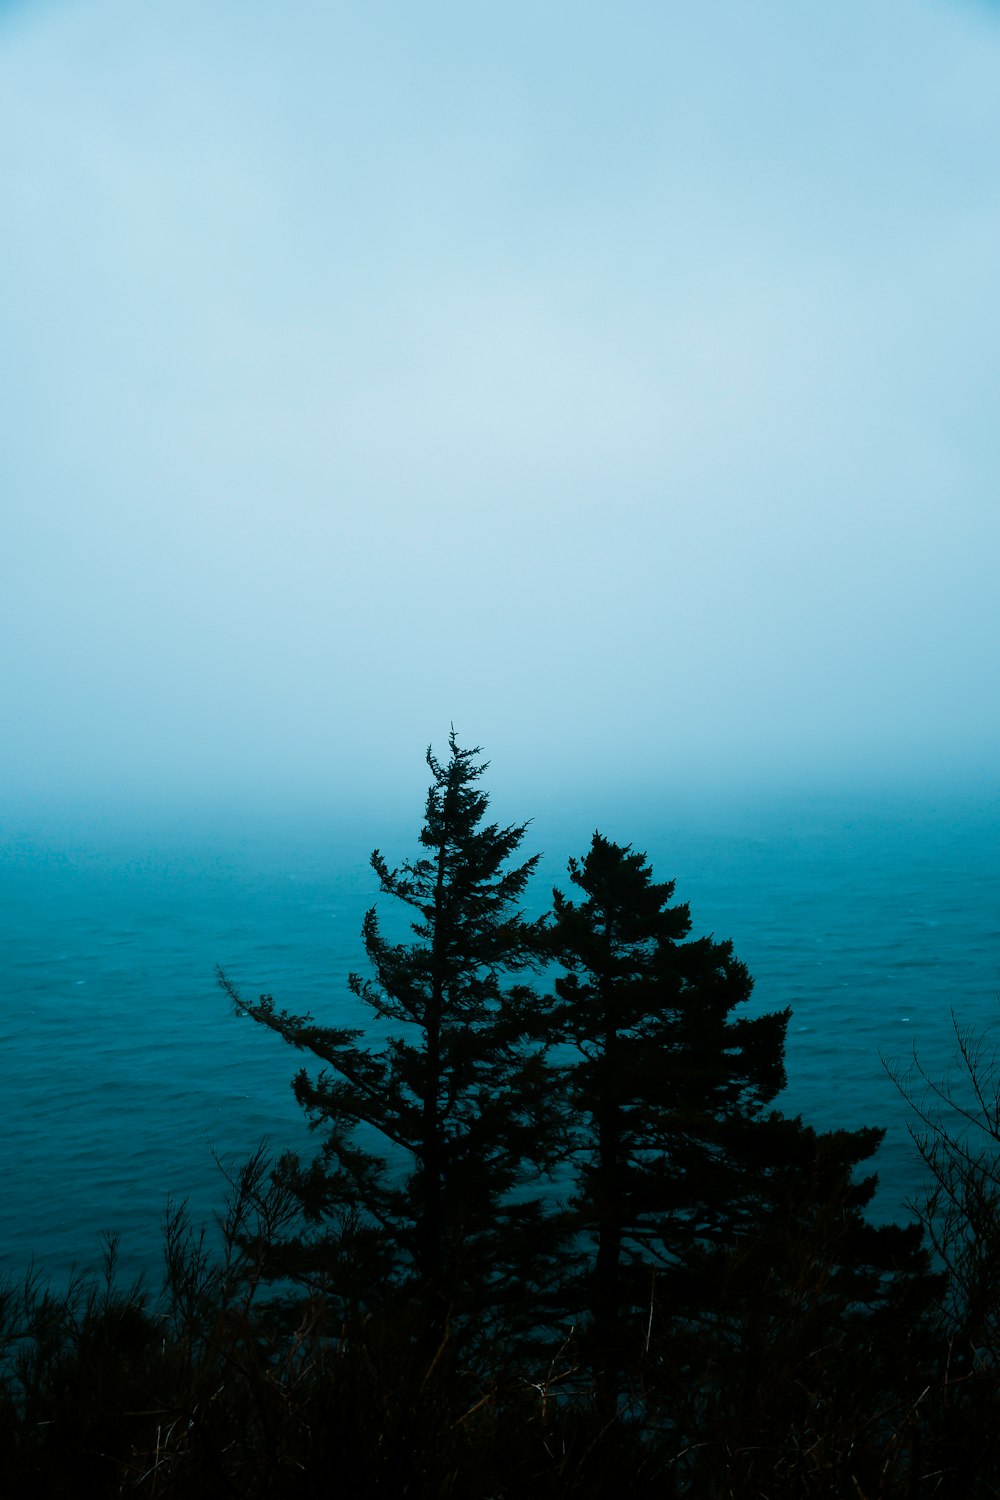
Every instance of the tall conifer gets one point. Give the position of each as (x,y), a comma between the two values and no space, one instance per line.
(434,1120)
(682,1171)
(655,1065)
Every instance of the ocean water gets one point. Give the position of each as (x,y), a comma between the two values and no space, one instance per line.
(126,1080)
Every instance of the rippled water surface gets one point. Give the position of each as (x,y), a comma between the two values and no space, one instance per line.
(124,1073)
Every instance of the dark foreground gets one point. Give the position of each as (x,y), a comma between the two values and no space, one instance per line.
(214,1389)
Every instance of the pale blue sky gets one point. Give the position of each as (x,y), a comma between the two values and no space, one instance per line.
(617,380)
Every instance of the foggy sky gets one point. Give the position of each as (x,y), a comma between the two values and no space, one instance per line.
(616,381)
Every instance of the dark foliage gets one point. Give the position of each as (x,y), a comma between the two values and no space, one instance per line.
(697,1198)
(210,1390)
(435,1127)
(956,1129)
(661,1080)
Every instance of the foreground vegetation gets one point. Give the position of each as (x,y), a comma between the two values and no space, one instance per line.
(556,1240)
(216,1388)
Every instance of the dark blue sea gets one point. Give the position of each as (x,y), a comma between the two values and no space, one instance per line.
(127,1080)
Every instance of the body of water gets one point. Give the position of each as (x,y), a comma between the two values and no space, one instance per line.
(124,1074)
